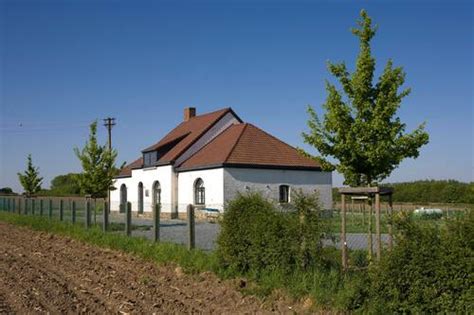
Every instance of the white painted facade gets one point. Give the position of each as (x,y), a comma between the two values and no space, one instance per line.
(213,183)
(221,185)
(147,176)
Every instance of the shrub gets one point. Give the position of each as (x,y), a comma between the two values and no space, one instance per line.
(430,269)
(256,236)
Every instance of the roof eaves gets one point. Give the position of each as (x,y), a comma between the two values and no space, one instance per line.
(253,166)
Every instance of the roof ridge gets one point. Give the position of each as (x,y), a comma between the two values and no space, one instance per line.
(225,109)
(237,141)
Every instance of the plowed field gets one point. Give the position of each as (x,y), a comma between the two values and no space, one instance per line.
(45,273)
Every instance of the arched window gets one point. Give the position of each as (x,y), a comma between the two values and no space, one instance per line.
(123,197)
(284,194)
(140,197)
(199,192)
(156,194)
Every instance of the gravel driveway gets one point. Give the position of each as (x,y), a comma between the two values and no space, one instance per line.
(175,231)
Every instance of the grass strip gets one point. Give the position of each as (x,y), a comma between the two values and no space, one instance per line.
(192,261)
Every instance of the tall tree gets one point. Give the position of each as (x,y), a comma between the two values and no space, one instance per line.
(30,179)
(360,129)
(98,164)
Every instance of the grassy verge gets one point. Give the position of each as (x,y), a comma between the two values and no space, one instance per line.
(191,261)
(327,288)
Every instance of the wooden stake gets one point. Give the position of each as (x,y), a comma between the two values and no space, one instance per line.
(73,212)
(105,221)
(128,219)
(343,232)
(378,239)
(191,230)
(50,209)
(369,239)
(61,210)
(390,214)
(88,214)
(156,222)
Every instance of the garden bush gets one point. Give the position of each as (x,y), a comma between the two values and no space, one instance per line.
(430,270)
(255,235)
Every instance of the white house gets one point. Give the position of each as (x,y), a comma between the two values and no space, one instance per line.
(207,159)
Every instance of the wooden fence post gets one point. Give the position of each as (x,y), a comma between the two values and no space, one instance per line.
(50,209)
(14,205)
(33,206)
(369,238)
(105,213)
(19,205)
(26,206)
(191,230)
(390,215)
(61,210)
(343,232)
(88,214)
(378,239)
(128,219)
(156,222)
(73,211)
(41,207)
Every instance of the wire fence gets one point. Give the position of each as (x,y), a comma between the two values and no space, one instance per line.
(198,228)
(185,230)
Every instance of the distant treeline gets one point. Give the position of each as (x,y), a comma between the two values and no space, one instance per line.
(429,191)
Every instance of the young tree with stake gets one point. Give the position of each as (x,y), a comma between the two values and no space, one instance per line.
(360,128)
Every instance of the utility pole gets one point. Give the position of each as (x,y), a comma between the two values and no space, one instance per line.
(109,122)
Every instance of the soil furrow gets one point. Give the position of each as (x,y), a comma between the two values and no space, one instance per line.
(42,272)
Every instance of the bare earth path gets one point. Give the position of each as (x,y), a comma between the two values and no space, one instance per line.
(41,272)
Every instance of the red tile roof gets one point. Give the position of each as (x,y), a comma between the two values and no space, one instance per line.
(239,145)
(247,145)
(189,132)
(184,135)
(127,170)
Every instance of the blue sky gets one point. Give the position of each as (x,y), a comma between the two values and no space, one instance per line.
(66,63)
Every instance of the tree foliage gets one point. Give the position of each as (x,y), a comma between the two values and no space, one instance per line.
(6,190)
(360,128)
(66,185)
(30,179)
(98,164)
(63,185)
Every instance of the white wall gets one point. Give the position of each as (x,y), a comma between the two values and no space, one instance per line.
(147,176)
(213,183)
(267,181)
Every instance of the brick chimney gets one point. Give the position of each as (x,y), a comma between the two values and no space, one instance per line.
(189,112)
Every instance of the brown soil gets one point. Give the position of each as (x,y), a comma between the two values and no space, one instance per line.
(45,273)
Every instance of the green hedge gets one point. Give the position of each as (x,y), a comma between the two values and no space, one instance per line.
(430,270)
(255,235)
